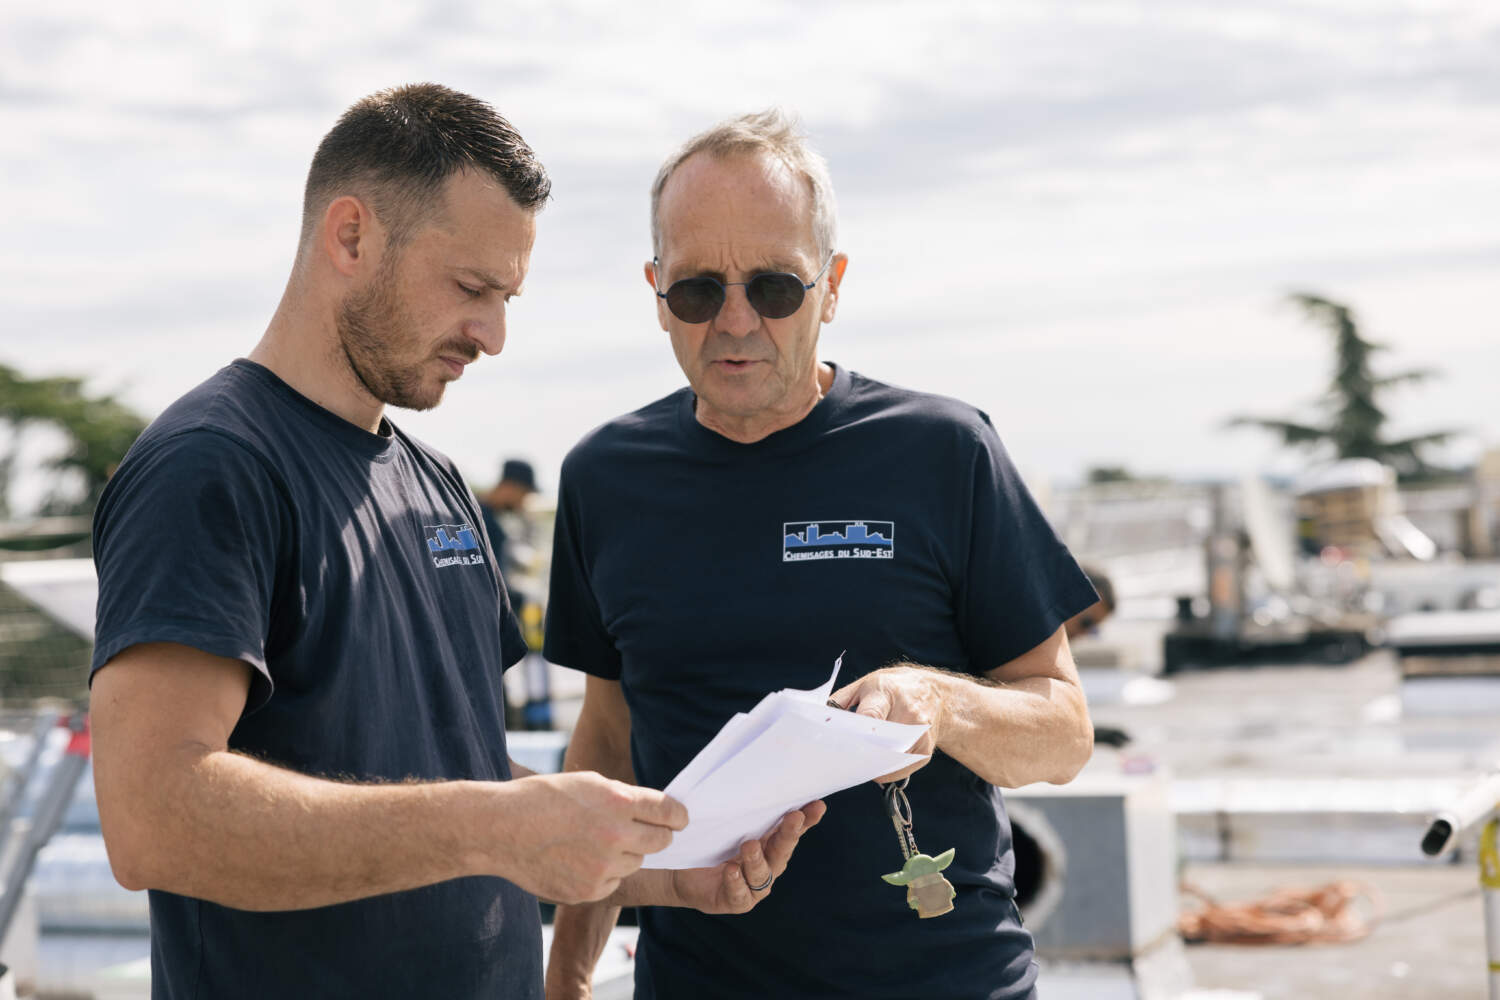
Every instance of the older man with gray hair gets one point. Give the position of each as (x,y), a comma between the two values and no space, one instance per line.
(736,536)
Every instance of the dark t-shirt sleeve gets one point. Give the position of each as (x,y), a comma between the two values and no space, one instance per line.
(1020,582)
(186,542)
(576,636)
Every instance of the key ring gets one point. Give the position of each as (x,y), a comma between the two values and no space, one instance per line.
(896,802)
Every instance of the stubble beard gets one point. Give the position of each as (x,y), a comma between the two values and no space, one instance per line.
(374,333)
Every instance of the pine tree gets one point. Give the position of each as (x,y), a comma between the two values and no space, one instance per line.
(1355,419)
(99,430)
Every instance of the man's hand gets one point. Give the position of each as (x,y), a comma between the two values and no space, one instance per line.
(726,888)
(1023,721)
(900,694)
(579,833)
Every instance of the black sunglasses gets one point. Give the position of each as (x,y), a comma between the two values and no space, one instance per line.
(775,295)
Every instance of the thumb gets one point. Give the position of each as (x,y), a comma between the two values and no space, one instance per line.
(874,703)
(657,809)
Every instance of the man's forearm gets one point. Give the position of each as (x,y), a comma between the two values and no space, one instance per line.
(240,832)
(181,812)
(1034,729)
(581,933)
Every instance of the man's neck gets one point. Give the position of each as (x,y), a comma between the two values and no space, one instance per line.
(749,430)
(301,347)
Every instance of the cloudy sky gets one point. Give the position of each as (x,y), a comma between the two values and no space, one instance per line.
(1081,217)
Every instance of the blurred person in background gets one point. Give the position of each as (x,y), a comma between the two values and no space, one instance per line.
(296,687)
(1091,617)
(732,538)
(508,497)
(506,501)
(1086,623)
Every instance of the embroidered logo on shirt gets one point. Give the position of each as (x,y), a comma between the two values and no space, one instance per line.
(453,545)
(837,540)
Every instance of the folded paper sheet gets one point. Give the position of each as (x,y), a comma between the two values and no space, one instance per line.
(788,750)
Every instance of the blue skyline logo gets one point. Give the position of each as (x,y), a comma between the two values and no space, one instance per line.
(843,539)
(453,545)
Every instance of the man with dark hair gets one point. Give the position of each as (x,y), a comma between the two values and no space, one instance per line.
(1093,616)
(298,735)
(732,538)
(508,496)
(402,146)
(507,500)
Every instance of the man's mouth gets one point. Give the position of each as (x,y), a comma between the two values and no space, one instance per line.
(457,357)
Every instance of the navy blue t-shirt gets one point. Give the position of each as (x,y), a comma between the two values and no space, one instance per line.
(350,571)
(702,574)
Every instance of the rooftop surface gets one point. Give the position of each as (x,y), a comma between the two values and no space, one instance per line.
(1349,776)
(1429,944)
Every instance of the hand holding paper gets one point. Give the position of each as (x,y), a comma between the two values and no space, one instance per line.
(788,750)
(726,888)
(900,693)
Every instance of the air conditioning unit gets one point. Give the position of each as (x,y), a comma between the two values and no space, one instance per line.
(1096,878)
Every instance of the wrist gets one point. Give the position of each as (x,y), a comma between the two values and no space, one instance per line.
(568,967)
(492,807)
(567,979)
(646,887)
(939,691)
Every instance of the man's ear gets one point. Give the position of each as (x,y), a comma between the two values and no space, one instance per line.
(661,303)
(835,279)
(351,238)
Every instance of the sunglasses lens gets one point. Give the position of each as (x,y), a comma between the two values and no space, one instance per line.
(698,300)
(775,296)
(695,300)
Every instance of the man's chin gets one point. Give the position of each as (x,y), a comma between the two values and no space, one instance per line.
(745,385)
(734,405)
(422,400)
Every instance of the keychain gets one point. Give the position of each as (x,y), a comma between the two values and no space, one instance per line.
(927,891)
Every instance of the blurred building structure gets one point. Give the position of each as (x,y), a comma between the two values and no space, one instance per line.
(40,657)
(1462,516)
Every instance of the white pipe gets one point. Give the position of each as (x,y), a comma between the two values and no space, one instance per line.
(1450,824)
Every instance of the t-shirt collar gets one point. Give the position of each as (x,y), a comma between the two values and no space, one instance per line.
(820,417)
(380,446)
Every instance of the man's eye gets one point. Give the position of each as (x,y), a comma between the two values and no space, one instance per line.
(472,293)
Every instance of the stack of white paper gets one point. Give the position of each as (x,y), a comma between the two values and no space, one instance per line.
(790,749)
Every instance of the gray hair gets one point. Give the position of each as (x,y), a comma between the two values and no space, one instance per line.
(772,132)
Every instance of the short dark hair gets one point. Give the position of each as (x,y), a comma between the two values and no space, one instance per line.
(1102,585)
(520,472)
(397,147)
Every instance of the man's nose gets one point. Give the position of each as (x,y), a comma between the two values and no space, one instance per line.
(489,332)
(736,316)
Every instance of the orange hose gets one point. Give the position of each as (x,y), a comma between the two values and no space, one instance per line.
(1326,914)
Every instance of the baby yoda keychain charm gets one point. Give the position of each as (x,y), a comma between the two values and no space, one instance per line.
(927,892)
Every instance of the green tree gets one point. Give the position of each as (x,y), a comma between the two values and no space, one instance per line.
(99,430)
(1109,474)
(1355,419)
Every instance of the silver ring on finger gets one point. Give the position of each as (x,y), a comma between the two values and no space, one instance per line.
(763,886)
